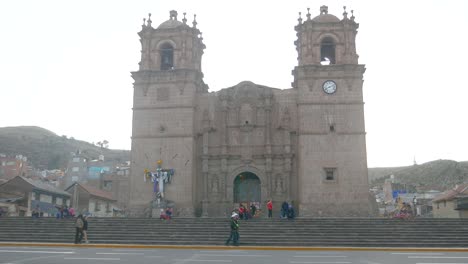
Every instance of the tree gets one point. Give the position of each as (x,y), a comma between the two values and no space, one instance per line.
(103,144)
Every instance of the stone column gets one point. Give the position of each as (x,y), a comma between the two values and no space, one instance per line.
(145,63)
(205,160)
(287,152)
(287,174)
(268,151)
(224,146)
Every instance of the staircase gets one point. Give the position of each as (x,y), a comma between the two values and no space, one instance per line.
(327,232)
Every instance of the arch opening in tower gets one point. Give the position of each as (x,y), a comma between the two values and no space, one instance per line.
(327,51)
(167,57)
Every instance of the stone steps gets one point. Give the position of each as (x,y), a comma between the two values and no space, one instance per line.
(357,232)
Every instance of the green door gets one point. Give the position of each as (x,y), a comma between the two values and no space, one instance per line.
(247,188)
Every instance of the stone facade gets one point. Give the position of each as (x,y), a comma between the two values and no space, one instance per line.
(249,142)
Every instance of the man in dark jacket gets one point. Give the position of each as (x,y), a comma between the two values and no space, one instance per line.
(291,213)
(284,209)
(253,209)
(234,236)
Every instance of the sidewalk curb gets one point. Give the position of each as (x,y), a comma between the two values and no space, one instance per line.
(24,244)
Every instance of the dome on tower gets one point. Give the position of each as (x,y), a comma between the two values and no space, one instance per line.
(172,22)
(324,17)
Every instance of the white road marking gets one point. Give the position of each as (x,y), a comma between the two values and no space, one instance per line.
(415,253)
(320,253)
(436,257)
(134,250)
(370,262)
(204,260)
(32,248)
(217,251)
(441,263)
(92,258)
(118,253)
(320,262)
(231,255)
(319,256)
(38,252)
(153,256)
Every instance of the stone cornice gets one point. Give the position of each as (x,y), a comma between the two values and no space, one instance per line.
(243,126)
(162,136)
(333,68)
(276,156)
(351,133)
(163,107)
(331,103)
(142,76)
(311,133)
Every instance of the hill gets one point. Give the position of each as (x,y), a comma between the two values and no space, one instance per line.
(47,150)
(438,174)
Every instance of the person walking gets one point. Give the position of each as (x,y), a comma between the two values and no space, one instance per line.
(234,236)
(270,209)
(79,229)
(85,229)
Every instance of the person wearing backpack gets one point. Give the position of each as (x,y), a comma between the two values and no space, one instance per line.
(79,224)
(85,229)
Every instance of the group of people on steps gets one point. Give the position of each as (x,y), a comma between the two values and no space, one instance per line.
(287,211)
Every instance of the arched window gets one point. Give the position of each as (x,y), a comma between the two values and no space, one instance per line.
(327,51)
(167,57)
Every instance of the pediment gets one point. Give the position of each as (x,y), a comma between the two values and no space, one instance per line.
(246,89)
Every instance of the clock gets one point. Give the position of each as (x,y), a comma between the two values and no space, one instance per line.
(329,87)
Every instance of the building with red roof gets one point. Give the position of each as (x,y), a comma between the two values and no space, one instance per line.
(86,199)
(452,203)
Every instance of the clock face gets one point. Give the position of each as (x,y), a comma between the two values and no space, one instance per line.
(329,87)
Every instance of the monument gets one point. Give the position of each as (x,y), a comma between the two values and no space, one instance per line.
(250,143)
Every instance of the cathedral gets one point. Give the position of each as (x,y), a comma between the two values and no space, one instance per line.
(206,152)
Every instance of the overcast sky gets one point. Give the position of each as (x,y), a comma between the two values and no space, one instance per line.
(65,65)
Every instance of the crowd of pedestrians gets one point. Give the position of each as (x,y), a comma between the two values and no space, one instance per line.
(65,212)
(242,213)
(166,214)
(287,211)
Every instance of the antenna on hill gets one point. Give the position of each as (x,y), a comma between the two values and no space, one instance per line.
(414,161)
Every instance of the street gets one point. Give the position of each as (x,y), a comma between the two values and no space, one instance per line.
(75,255)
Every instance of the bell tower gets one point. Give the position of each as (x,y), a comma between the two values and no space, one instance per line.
(326,40)
(332,161)
(166,88)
